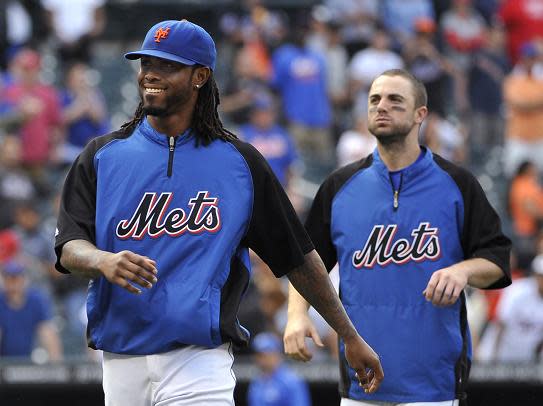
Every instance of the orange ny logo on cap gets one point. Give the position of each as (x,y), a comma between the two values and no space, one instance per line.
(161,34)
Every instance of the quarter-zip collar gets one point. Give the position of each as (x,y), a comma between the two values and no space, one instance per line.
(153,135)
(409,173)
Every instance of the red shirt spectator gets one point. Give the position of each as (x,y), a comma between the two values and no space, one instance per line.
(40,105)
(523,20)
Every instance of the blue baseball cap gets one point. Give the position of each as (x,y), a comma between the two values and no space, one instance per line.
(528,50)
(267,343)
(262,101)
(13,268)
(178,41)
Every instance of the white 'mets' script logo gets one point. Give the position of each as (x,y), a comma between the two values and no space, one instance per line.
(381,248)
(153,218)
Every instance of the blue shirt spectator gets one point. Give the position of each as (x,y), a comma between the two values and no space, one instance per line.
(299,74)
(278,385)
(83,111)
(24,312)
(270,139)
(399,16)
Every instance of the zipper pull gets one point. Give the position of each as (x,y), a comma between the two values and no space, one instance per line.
(396,203)
(171,142)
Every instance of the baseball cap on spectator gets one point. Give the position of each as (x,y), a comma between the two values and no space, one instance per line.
(537,265)
(9,244)
(263,101)
(178,41)
(267,343)
(425,25)
(13,268)
(528,50)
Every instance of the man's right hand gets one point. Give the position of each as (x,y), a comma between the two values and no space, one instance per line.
(299,327)
(127,269)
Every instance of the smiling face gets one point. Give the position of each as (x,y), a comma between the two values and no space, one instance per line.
(392,114)
(165,87)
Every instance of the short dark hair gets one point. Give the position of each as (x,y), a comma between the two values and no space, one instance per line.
(419,90)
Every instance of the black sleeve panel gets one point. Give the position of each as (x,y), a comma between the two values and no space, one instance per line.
(318,222)
(275,233)
(482,236)
(76,218)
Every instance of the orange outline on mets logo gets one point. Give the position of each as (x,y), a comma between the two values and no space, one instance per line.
(161,34)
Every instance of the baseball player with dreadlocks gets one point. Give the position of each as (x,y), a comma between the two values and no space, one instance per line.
(160,216)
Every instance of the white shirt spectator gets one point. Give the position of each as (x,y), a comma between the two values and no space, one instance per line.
(72,19)
(365,66)
(353,145)
(521,313)
(19,24)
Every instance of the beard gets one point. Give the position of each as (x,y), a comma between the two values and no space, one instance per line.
(390,136)
(155,111)
(172,104)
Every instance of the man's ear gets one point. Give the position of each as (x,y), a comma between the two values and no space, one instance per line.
(420,114)
(200,76)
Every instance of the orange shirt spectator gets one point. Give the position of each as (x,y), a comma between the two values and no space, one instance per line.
(524,97)
(526,201)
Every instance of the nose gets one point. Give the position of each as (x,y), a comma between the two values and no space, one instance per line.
(149,75)
(382,105)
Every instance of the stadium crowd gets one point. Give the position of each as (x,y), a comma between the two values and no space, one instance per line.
(294,84)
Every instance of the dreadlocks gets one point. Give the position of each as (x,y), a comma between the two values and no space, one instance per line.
(206,122)
(130,126)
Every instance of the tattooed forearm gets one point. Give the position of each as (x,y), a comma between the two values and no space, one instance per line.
(80,257)
(312,281)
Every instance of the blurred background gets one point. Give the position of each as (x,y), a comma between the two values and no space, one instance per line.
(293,77)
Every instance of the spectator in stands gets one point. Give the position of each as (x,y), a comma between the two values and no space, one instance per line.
(526,209)
(242,87)
(463,31)
(488,70)
(299,75)
(84,112)
(523,96)
(250,31)
(399,16)
(9,245)
(425,62)
(272,295)
(445,137)
(272,307)
(367,64)
(15,184)
(359,19)
(523,22)
(277,385)
(22,26)
(75,25)
(520,318)
(356,143)
(36,245)
(330,46)
(41,131)
(25,313)
(270,138)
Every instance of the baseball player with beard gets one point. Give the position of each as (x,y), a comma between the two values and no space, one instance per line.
(410,231)
(160,216)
